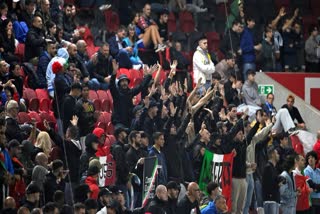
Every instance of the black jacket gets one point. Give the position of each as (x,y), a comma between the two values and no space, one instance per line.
(73,153)
(102,69)
(68,107)
(86,116)
(119,154)
(13,130)
(185,206)
(225,45)
(35,43)
(51,185)
(270,183)
(239,162)
(80,65)
(122,101)
(132,157)
(156,206)
(171,207)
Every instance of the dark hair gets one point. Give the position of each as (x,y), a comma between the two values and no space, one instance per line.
(270,94)
(236,22)
(212,186)
(312,28)
(121,28)
(78,206)
(73,132)
(281,136)
(13,65)
(49,208)
(249,18)
(270,151)
(36,16)
(50,24)
(76,86)
(3,5)
(231,106)
(157,135)
(216,76)
(144,135)
(58,196)
(267,29)
(67,5)
(85,85)
(311,154)
(289,162)
(133,134)
(91,204)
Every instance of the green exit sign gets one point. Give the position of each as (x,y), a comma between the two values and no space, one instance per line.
(266,89)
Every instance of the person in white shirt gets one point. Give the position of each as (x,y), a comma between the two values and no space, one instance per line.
(203,66)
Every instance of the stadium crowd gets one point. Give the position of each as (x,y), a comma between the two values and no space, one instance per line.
(75,91)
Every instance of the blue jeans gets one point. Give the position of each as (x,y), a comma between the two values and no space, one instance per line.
(258,191)
(94,84)
(246,67)
(250,190)
(271,207)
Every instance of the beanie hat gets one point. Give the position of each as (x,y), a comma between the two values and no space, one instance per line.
(57,66)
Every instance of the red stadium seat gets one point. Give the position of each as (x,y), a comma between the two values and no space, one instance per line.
(172,23)
(44,99)
(187,24)
(112,20)
(23,117)
(213,41)
(93,95)
(110,128)
(105,117)
(31,99)
(20,51)
(97,104)
(106,103)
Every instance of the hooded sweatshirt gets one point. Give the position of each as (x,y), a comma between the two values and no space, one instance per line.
(250,93)
(62,53)
(203,67)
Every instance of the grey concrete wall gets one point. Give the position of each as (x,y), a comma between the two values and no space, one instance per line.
(310,115)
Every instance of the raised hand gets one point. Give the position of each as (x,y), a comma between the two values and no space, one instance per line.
(74,120)
(282,12)
(46,125)
(115,66)
(173,109)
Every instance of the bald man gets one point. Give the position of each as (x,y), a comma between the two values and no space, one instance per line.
(77,62)
(191,200)
(9,203)
(316,146)
(158,203)
(42,159)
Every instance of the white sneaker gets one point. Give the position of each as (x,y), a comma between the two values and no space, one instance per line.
(161,47)
(202,10)
(104,7)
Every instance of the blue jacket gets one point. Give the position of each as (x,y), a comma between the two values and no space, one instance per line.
(288,191)
(163,173)
(210,209)
(114,47)
(42,69)
(247,46)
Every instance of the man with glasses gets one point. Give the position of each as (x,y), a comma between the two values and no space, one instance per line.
(190,202)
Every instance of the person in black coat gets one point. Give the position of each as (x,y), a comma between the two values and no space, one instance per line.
(69,103)
(135,161)
(55,180)
(85,111)
(14,74)
(71,147)
(173,193)
(158,203)
(100,68)
(91,143)
(35,42)
(122,96)
(270,178)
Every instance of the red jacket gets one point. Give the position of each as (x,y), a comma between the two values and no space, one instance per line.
(93,185)
(316,148)
(303,199)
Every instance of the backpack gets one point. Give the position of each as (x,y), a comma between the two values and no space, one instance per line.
(20,31)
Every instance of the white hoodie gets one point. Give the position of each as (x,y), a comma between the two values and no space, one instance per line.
(200,68)
(62,53)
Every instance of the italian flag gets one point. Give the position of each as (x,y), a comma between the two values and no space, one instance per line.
(217,168)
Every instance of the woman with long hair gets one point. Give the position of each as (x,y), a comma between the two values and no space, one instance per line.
(43,144)
(133,41)
(7,42)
